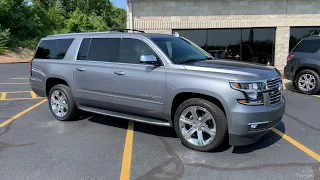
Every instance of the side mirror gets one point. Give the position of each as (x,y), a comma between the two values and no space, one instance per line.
(149,59)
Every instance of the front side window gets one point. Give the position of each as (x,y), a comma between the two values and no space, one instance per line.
(132,49)
(53,49)
(180,50)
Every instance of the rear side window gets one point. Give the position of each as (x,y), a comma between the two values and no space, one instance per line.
(53,49)
(308,46)
(84,49)
(132,49)
(99,49)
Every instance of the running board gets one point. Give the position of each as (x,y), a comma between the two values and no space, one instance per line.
(125,116)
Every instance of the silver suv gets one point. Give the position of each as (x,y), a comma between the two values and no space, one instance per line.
(158,79)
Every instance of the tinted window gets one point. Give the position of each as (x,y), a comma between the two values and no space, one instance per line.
(308,46)
(132,49)
(199,37)
(53,49)
(258,45)
(224,43)
(246,44)
(84,48)
(103,49)
(298,33)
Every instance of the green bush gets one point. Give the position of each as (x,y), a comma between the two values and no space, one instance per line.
(4,39)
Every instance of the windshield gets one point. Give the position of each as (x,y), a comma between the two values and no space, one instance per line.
(181,50)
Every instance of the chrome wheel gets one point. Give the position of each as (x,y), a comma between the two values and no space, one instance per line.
(197,125)
(59,103)
(307,82)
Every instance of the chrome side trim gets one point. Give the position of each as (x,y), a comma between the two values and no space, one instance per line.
(125,116)
(96,93)
(257,123)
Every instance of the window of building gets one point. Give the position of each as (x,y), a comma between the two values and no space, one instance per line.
(247,44)
(197,36)
(224,43)
(53,49)
(297,33)
(258,45)
(308,46)
(103,49)
(132,49)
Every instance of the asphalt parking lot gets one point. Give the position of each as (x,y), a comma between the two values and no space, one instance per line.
(34,145)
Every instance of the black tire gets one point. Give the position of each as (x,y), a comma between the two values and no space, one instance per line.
(316,89)
(217,114)
(72,109)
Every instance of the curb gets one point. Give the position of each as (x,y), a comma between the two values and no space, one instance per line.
(14,62)
(287,84)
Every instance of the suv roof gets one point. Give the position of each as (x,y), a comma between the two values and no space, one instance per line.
(149,35)
(317,36)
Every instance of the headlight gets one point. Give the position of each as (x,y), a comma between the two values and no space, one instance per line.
(252,92)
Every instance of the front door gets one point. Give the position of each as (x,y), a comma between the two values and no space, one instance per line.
(93,72)
(138,89)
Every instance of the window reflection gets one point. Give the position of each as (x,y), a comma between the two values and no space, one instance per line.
(249,44)
(197,36)
(257,45)
(297,33)
(224,43)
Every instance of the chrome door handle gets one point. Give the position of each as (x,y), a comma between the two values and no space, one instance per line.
(119,72)
(80,68)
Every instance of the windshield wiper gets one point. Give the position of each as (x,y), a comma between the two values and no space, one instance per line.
(191,60)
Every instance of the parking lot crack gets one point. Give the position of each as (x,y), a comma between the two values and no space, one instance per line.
(302,122)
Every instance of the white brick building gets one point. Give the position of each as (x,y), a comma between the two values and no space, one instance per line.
(247,30)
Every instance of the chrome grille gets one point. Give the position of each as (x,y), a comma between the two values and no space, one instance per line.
(275,97)
(274,83)
(274,90)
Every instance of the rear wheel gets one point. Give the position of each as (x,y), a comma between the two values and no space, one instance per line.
(200,124)
(308,82)
(61,103)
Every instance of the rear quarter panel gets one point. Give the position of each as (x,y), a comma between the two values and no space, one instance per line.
(43,69)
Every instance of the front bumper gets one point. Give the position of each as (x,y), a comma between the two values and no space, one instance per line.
(263,119)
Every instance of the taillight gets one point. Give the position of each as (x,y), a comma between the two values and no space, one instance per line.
(31,67)
(289,57)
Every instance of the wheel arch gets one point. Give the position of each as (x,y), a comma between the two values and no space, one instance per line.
(52,81)
(183,96)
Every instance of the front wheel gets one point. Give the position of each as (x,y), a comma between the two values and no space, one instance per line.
(61,103)
(200,124)
(308,82)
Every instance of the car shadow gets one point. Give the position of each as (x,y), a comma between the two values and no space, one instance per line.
(266,141)
(138,127)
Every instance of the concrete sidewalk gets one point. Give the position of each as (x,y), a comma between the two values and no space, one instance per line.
(287,84)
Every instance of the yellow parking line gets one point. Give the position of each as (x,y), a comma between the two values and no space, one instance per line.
(3,96)
(127,153)
(15,92)
(16,83)
(33,95)
(297,144)
(14,99)
(317,96)
(22,113)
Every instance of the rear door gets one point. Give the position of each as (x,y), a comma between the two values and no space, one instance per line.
(138,89)
(93,72)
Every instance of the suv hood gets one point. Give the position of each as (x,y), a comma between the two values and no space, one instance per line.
(238,70)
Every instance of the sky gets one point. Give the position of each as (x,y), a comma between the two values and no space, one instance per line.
(120,3)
